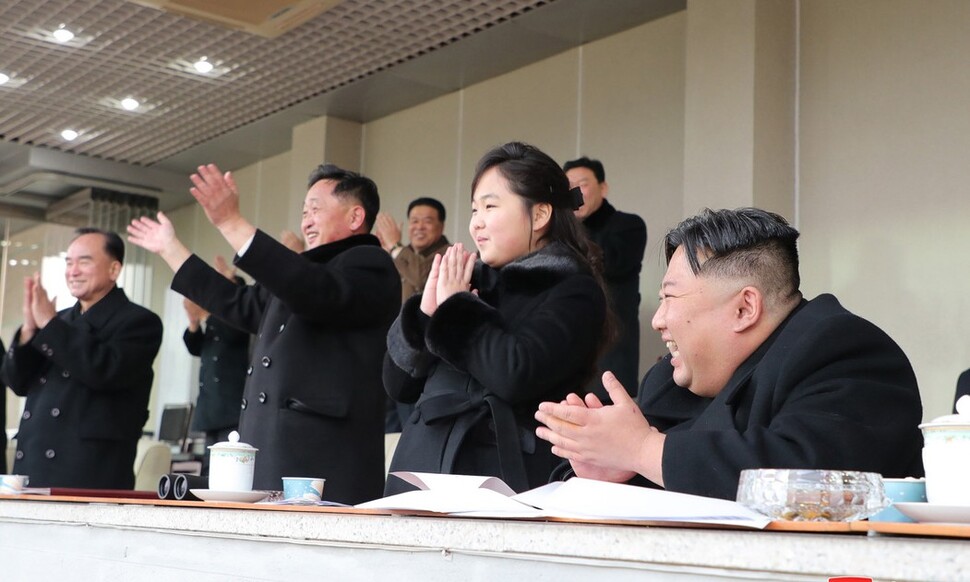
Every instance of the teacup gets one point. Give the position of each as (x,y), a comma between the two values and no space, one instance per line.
(13,484)
(901,491)
(946,459)
(305,488)
(231,465)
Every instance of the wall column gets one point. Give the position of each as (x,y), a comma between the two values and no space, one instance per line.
(739,126)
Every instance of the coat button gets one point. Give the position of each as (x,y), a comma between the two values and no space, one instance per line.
(55,412)
(43,347)
(215,358)
(262,397)
(19,455)
(282,327)
(66,374)
(50,454)
(249,371)
(266,361)
(244,404)
(26,415)
(201,383)
(50,352)
(216,379)
(216,338)
(43,380)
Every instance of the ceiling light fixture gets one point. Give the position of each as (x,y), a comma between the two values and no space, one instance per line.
(4,78)
(62,35)
(202,65)
(69,134)
(130,103)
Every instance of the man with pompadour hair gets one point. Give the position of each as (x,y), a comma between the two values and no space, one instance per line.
(756,377)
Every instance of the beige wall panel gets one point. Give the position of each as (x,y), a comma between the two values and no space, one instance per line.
(885,132)
(265,197)
(632,119)
(719,117)
(415,153)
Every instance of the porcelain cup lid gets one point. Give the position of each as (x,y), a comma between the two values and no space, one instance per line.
(233,444)
(959,420)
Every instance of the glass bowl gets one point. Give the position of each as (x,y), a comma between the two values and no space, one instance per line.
(812,495)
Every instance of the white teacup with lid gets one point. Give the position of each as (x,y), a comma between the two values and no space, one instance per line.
(946,456)
(231,465)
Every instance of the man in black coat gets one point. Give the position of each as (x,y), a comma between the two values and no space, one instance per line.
(223,352)
(86,372)
(314,401)
(622,237)
(757,377)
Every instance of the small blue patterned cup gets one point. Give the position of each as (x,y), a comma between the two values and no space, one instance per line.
(901,491)
(303,488)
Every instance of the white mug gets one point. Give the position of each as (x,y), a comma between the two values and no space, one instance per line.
(231,465)
(13,484)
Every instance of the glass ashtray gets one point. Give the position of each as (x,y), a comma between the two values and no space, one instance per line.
(812,495)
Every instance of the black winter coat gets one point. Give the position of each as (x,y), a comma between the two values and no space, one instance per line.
(223,352)
(87,378)
(481,365)
(828,390)
(623,238)
(313,403)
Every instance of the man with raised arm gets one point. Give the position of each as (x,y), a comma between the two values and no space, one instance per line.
(314,402)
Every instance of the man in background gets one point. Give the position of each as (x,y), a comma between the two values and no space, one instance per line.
(426,227)
(223,352)
(623,238)
(86,372)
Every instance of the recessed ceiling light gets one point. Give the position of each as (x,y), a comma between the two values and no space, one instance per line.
(202,65)
(69,134)
(3,78)
(62,34)
(130,103)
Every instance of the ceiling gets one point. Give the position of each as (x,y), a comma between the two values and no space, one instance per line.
(358,60)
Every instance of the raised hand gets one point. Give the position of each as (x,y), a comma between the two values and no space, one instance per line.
(158,236)
(216,193)
(387,231)
(292,241)
(41,306)
(610,443)
(429,300)
(29,327)
(194,312)
(225,269)
(455,276)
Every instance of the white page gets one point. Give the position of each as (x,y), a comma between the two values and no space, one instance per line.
(579,498)
(466,501)
(438,482)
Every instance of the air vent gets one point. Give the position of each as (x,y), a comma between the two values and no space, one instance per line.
(266,18)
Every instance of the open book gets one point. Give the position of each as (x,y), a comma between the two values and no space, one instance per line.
(474,496)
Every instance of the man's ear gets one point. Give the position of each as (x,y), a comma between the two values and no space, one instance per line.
(114,270)
(604,188)
(749,308)
(541,215)
(357,219)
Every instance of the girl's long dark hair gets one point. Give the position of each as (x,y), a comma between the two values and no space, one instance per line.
(536,178)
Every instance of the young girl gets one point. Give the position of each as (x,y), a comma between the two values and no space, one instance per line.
(488,340)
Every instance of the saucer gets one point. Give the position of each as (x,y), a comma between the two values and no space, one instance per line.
(236,496)
(934,513)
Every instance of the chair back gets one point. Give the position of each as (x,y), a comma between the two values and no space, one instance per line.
(173,427)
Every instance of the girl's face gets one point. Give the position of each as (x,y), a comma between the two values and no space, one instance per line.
(501,225)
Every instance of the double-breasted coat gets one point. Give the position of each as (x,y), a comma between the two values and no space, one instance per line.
(480,366)
(827,390)
(87,378)
(223,353)
(313,403)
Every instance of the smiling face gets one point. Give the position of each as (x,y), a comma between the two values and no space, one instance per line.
(327,218)
(90,271)
(501,225)
(696,320)
(593,190)
(425,227)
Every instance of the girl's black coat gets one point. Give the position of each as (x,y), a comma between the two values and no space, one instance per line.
(480,366)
